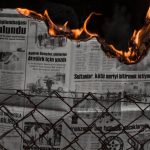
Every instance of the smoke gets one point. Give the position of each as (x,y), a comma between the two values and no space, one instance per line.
(117,29)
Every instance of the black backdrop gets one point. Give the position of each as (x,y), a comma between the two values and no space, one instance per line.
(119,19)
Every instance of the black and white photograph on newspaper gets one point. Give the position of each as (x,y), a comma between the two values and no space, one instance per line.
(44,134)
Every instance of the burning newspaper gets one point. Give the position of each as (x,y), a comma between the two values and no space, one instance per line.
(38,69)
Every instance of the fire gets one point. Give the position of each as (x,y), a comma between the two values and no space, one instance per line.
(148,14)
(79,32)
(28,13)
(138,44)
(61,30)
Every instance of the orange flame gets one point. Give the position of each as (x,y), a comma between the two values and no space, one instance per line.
(138,46)
(63,30)
(78,32)
(28,13)
(148,14)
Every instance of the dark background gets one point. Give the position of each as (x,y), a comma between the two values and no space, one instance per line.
(119,19)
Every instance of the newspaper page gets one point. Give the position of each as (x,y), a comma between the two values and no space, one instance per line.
(91,69)
(44,130)
(48,60)
(91,132)
(90,122)
(136,129)
(124,88)
(136,100)
(31,60)
(107,96)
(21,128)
(47,66)
(13,41)
(10,136)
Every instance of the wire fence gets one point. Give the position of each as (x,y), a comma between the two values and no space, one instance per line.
(74,121)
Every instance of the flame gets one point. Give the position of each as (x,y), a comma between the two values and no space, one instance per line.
(138,45)
(78,32)
(28,13)
(135,37)
(61,30)
(148,14)
(51,29)
(24,12)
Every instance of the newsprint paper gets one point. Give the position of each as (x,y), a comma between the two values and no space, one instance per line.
(35,63)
